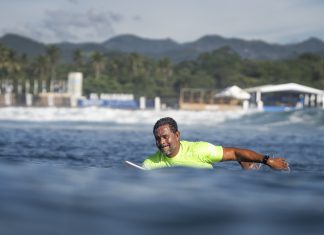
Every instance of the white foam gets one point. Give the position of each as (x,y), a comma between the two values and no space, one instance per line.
(97,114)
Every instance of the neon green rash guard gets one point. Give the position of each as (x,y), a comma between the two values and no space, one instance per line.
(191,154)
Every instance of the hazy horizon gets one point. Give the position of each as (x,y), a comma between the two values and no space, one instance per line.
(284,22)
(146,38)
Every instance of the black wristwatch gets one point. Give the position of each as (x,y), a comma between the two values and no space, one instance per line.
(265,159)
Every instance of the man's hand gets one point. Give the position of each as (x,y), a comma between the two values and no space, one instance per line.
(278,163)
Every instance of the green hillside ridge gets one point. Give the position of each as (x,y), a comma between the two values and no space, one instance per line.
(175,52)
(113,71)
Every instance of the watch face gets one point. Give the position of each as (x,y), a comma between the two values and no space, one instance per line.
(265,159)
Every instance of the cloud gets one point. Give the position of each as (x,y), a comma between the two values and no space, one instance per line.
(137,18)
(67,25)
(63,25)
(73,1)
(98,20)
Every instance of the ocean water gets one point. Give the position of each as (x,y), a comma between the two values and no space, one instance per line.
(62,171)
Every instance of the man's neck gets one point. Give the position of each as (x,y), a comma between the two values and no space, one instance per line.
(177,151)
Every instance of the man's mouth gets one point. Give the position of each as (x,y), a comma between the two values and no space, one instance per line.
(164,147)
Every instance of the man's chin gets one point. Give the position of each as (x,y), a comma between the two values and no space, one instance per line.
(167,153)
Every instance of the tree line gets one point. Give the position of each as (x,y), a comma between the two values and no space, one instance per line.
(142,76)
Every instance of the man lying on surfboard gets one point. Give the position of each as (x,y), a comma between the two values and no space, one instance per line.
(175,152)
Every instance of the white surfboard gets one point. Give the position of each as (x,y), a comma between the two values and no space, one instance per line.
(134,165)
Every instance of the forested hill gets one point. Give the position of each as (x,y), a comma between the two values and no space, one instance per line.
(167,48)
(23,45)
(135,73)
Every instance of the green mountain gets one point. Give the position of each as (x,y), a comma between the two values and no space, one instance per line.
(131,43)
(160,48)
(246,49)
(23,45)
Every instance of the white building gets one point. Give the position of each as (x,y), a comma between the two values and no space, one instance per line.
(286,95)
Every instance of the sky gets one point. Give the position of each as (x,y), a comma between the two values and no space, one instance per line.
(51,21)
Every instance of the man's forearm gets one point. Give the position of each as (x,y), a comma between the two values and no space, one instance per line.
(241,155)
(246,155)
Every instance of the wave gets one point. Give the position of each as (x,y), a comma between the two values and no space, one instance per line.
(97,114)
(313,117)
(308,117)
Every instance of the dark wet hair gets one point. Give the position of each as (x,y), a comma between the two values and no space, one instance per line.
(166,121)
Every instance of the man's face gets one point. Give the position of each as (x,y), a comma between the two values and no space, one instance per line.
(167,141)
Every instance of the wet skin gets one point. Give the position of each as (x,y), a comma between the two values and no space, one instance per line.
(167,141)
(169,144)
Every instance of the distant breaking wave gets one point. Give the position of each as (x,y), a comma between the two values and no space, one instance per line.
(96,114)
(308,117)
(314,117)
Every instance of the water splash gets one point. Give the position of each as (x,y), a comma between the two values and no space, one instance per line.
(95,114)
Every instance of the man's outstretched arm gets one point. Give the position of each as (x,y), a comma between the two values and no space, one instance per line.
(246,155)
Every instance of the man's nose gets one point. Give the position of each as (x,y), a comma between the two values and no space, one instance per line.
(162,141)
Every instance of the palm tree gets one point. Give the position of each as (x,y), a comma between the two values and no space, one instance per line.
(98,63)
(165,67)
(53,54)
(8,62)
(40,69)
(9,65)
(77,59)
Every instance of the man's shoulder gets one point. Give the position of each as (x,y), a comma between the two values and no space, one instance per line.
(200,147)
(154,157)
(203,150)
(195,144)
(155,160)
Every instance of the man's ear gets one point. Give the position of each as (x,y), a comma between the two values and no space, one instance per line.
(178,134)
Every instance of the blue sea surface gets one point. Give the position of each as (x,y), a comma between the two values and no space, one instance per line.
(69,177)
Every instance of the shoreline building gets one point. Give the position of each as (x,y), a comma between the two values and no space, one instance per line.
(269,98)
(285,97)
(231,98)
(66,97)
(68,93)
